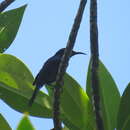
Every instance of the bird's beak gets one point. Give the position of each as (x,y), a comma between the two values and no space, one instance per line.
(75,53)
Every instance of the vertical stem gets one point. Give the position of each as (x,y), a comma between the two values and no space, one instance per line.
(56,108)
(64,64)
(95,63)
(5,4)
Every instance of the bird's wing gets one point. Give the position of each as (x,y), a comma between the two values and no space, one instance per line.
(48,72)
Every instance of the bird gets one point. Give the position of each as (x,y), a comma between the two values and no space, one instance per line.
(48,72)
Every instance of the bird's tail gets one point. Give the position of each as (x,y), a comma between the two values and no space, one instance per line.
(33,96)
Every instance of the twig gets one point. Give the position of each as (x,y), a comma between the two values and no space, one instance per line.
(64,64)
(95,63)
(5,4)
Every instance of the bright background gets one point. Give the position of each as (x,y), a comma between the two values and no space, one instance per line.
(45,29)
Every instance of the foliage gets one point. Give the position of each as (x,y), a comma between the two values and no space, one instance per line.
(9,25)
(109,94)
(25,124)
(76,104)
(4,124)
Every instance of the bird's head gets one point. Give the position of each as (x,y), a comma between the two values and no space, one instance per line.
(61,52)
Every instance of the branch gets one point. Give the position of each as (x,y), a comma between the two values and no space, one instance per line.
(64,64)
(95,63)
(5,4)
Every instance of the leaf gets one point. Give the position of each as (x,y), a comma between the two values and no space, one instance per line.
(69,124)
(123,118)
(127,124)
(65,128)
(9,25)
(75,105)
(4,124)
(109,94)
(16,88)
(25,124)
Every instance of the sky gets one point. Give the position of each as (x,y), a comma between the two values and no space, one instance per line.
(45,29)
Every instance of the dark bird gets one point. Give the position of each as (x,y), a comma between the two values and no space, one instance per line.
(47,74)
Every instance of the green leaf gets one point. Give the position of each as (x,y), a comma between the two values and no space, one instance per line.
(75,106)
(16,88)
(127,124)
(69,124)
(65,128)
(123,118)
(9,25)
(25,124)
(4,124)
(109,94)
